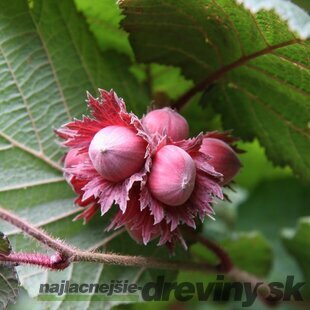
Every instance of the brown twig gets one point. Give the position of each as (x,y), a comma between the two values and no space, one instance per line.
(65,255)
(226,263)
(36,233)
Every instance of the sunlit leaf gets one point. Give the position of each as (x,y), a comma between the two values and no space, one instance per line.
(297,242)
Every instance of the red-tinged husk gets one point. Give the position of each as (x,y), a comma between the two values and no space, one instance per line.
(149,217)
(108,110)
(145,217)
(72,159)
(140,224)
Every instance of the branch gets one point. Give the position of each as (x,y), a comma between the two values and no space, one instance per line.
(226,264)
(141,261)
(55,262)
(227,267)
(179,103)
(65,255)
(36,233)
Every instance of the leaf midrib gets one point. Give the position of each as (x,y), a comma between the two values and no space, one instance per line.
(212,78)
(61,92)
(31,151)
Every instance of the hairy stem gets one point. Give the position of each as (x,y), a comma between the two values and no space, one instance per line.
(36,233)
(141,261)
(65,255)
(69,254)
(55,262)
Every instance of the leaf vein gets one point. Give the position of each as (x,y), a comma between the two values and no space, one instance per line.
(235,30)
(8,284)
(180,51)
(275,78)
(23,99)
(198,27)
(86,69)
(284,58)
(269,108)
(31,184)
(31,151)
(49,59)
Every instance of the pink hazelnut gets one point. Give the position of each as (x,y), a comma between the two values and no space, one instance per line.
(137,234)
(74,158)
(223,158)
(167,121)
(172,177)
(117,152)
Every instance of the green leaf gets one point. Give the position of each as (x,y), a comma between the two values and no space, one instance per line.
(296,18)
(297,243)
(168,80)
(257,261)
(254,156)
(104,18)
(273,205)
(48,60)
(8,277)
(257,66)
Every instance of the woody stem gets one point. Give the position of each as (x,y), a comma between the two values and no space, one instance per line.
(71,254)
(65,255)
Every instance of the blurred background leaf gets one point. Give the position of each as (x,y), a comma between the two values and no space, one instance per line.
(297,243)
(103,18)
(272,205)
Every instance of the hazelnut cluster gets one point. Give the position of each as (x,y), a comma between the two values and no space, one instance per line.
(148,171)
